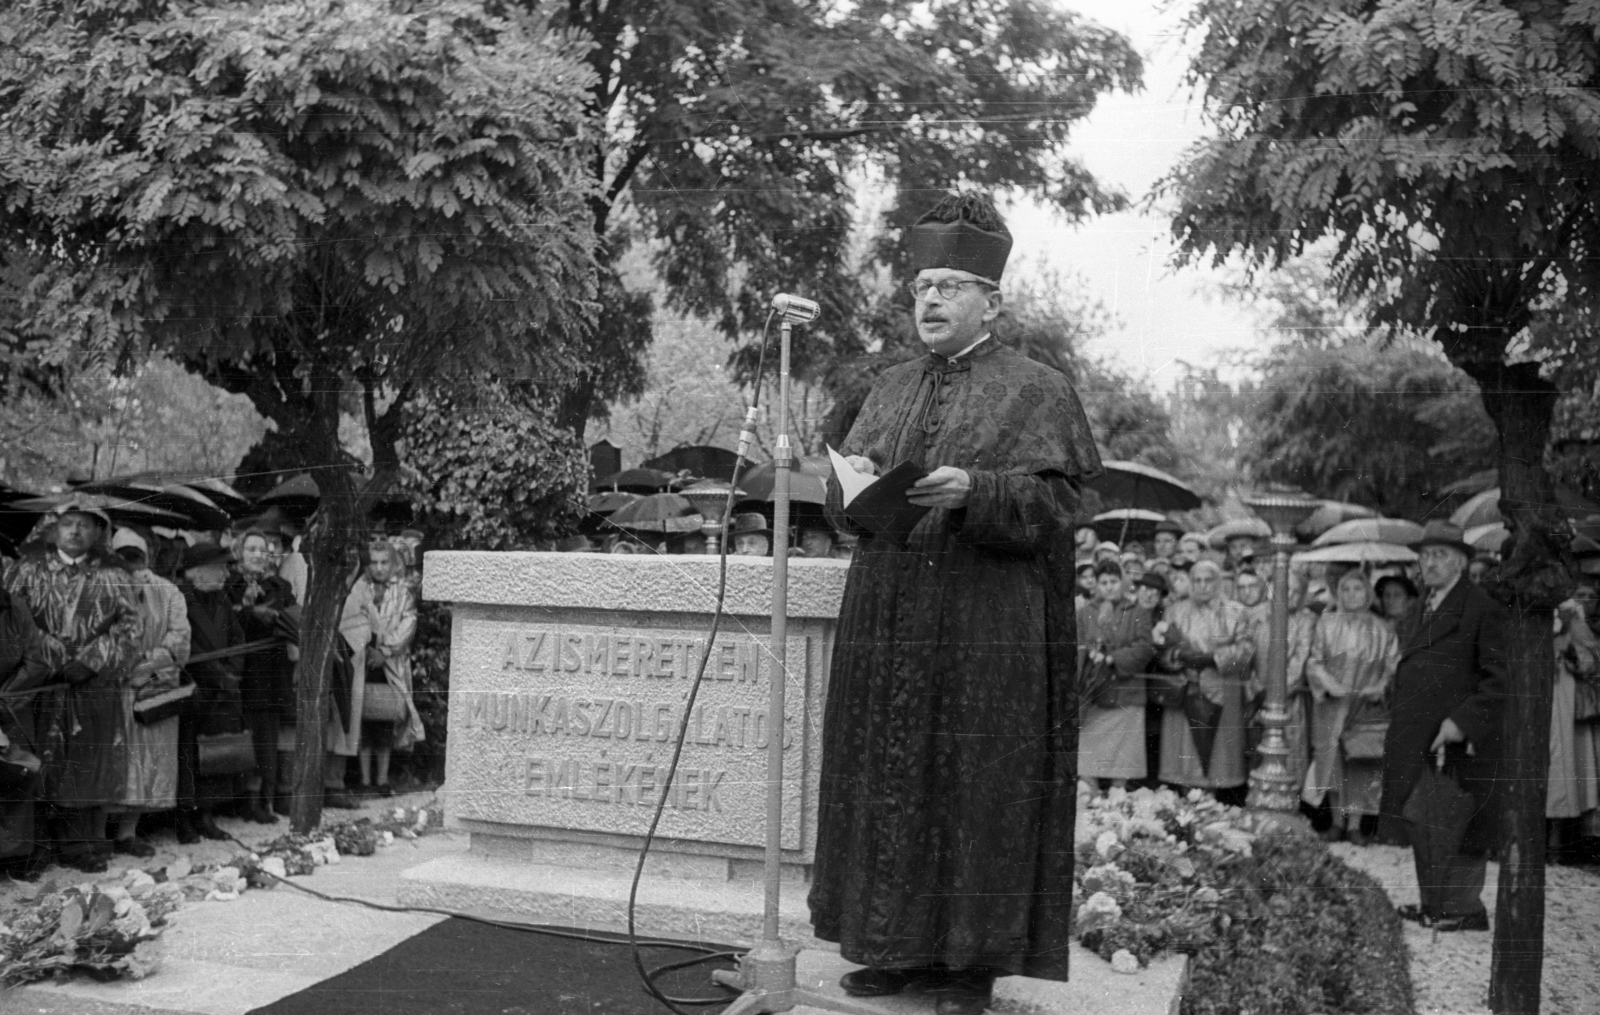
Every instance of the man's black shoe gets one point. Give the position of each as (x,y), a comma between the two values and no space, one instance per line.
(1472,921)
(134,847)
(873,982)
(965,992)
(206,825)
(1413,913)
(89,863)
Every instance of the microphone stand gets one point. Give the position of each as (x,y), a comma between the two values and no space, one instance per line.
(766,973)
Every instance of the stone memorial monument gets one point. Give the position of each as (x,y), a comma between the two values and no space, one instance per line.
(569,674)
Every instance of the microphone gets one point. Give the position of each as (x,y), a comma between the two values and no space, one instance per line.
(795,309)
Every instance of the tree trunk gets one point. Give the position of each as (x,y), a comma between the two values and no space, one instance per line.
(1531,581)
(331,552)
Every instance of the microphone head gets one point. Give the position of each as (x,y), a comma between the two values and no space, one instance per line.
(795,309)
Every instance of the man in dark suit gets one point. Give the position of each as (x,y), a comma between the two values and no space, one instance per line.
(1445,717)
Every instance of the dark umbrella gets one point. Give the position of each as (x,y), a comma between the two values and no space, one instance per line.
(236,504)
(1204,717)
(1127,523)
(659,512)
(1130,484)
(15,523)
(636,481)
(200,511)
(808,482)
(297,495)
(611,500)
(702,460)
(123,512)
(1439,804)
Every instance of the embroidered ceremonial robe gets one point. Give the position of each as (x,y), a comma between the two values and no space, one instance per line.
(83,614)
(949,733)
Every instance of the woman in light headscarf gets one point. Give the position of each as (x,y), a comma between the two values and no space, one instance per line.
(1354,654)
(1574,784)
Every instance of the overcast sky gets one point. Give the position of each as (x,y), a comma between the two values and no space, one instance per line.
(1130,141)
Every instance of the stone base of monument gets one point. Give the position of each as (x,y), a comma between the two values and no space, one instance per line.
(594,896)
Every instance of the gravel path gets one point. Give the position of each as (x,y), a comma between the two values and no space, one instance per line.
(1450,972)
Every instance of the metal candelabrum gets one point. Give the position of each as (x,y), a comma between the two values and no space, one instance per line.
(1272,788)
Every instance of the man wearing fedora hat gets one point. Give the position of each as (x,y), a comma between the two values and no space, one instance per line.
(214,709)
(752,536)
(88,629)
(1445,716)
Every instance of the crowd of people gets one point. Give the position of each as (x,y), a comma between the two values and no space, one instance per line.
(150,674)
(749,534)
(1173,641)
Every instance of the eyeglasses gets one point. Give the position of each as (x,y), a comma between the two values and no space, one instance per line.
(948,288)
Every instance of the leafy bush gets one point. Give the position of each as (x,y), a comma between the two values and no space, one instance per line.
(430,689)
(1299,932)
(1275,923)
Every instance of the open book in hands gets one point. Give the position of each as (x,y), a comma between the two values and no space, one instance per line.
(878,503)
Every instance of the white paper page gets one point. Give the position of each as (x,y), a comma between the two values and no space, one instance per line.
(851,482)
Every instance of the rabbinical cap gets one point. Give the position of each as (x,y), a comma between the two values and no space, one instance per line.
(963,232)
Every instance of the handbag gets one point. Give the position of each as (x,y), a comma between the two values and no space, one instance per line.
(226,753)
(1167,689)
(1585,701)
(1099,683)
(161,706)
(1364,732)
(383,703)
(18,769)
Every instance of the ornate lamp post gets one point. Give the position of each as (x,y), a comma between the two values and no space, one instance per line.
(1272,788)
(710,498)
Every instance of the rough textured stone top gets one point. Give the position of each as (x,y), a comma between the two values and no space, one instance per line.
(676,583)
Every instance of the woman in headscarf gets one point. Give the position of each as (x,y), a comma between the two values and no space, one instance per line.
(1207,640)
(1574,784)
(1354,654)
(1113,633)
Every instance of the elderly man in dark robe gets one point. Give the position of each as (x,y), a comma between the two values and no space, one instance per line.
(944,852)
(88,631)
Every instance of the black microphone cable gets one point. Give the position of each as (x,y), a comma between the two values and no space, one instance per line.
(745,437)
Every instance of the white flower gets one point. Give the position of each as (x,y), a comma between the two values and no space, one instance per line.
(1207,896)
(1106,844)
(1099,910)
(1124,961)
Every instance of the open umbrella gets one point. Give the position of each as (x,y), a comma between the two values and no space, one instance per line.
(611,500)
(1131,484)
(200,511)
(297,495)
(808,482)
(1357,553)
(1371,530)
(703,460)
(1331,513)
(644,481)
(1123,524)
(1485,507)
(217,491)
(122,511)
(1490,538)
(658,512)
(1250,528)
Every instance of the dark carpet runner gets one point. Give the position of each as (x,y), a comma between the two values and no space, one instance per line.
(459,967)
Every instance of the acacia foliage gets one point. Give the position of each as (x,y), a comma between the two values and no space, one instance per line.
(298,179)
(737,135)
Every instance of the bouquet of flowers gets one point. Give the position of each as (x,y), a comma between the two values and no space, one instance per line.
(1146,865)
(103,931)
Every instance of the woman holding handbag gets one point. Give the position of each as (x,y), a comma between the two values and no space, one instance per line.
(1353,659)
(1573,790)
(389,718)
(1114,647)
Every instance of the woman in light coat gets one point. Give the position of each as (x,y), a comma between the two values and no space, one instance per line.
(379,623)
(1354,654)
